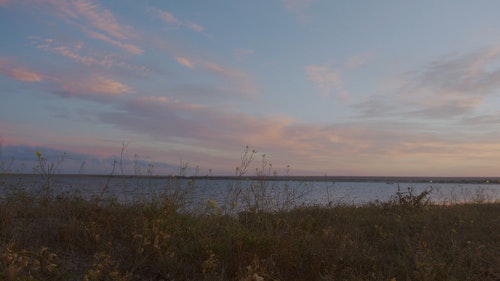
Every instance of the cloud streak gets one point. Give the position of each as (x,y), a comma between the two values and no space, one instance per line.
(84,54)
(95,85)
(69,50)
(130,48)
(453,86)
(18,72)
(326,80)
(102,19)
(171,19)
(299,7)
(66,85)
(234,80)
(329,80)
(95,21)
(184,61)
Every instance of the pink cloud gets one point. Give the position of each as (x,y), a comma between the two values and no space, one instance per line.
(184,61)
(194,126)
(213,138)
(66,83)
(312,147)
(235,80)
(187,120)
(18,72)
(102,19)
(239,78)
(171,19)
(133,49)
(482,59)
(194,26)
(101,23)
(157,99)
(98,85)
(24,75)
(168,17)
(84,54)
(86,60)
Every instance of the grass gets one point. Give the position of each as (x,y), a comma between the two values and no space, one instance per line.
(67,237)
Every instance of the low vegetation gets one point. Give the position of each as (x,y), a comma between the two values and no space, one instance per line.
(67,237)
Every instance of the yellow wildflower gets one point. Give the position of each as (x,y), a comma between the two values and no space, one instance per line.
(212,203)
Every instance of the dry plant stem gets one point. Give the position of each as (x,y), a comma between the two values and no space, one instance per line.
(124,186)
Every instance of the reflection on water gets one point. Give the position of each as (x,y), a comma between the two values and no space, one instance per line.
(272,192)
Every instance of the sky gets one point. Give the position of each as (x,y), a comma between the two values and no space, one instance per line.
(321,87)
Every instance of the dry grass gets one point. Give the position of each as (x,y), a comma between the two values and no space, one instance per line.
(68,238)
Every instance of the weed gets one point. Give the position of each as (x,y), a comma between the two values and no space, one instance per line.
(408,199)
(28,265)
(47,169)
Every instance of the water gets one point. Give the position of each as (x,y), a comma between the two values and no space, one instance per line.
(246,193)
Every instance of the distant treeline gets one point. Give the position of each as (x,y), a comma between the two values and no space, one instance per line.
(386,179)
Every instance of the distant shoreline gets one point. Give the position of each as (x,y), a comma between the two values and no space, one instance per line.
(386,179)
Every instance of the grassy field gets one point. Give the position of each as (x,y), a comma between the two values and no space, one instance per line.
(69,238)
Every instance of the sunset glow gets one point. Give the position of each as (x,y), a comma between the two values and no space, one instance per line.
(375,88)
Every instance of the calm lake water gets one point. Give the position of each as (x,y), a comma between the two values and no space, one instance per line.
(245,192)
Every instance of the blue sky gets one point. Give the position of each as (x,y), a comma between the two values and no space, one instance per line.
(396,88)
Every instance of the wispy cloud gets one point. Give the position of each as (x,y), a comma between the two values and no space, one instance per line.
(329,80)
(375,107)
(9,68)
(171,19)
(185,61)
(478,121)
(326,79)
(168,17)
(102,19)
(235,80)
(358,60)
(242,54)
(453,86)
(166,119)
(131,48)
(299,7)
(194,123)
(96,85)
(68,50)
(94,20)
(194,26)
(83,53)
